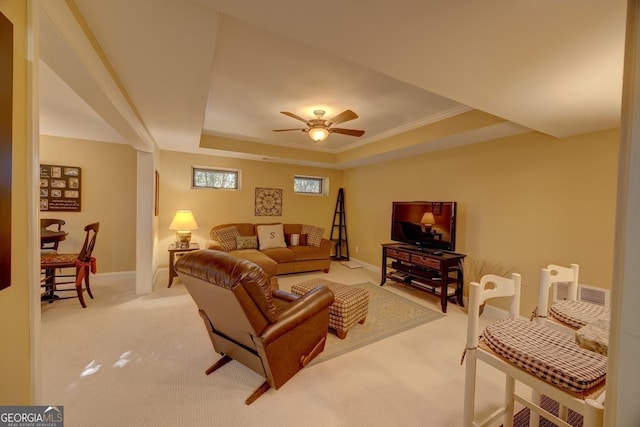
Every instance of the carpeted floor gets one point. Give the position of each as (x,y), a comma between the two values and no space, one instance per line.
(389,314)
(139,360)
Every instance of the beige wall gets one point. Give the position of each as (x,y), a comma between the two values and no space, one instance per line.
(108,197)
(214,207)
(502,186)
(524,202)
(14,301)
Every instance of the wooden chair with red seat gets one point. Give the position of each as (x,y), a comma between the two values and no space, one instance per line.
(83,263)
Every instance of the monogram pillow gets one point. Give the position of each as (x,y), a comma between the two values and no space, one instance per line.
(271,236)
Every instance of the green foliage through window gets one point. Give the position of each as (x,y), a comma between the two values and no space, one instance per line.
(214,178)
(307,185)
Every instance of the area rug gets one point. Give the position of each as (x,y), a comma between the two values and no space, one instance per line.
(521,419)
(389,314)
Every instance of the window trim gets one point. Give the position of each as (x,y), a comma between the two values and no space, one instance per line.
(324,185)
(238,173)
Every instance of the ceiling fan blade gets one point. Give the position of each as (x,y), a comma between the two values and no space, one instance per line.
(285,130)
(352,132)
(345,116)
(293,116)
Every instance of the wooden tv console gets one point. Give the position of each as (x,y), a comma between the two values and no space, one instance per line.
(423,269)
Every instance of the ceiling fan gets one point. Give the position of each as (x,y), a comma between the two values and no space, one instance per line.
(319,128)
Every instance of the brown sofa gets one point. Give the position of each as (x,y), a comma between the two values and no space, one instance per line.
(275,261)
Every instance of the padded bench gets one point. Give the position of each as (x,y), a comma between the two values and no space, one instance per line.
(548,354)
(350,305)
(577,313)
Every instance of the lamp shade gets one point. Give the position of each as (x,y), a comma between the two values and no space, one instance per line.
(183,220)
(428,218)
(318,134)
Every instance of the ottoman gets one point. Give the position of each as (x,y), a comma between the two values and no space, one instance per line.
(350,305)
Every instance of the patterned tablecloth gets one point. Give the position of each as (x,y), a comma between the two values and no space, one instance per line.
(595,336)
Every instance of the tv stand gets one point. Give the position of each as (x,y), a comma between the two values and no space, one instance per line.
(422,269)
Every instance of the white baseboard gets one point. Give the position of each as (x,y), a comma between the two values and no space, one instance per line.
(161,277)
(368,266)
(114,276)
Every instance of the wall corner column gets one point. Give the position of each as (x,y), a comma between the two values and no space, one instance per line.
(144,222)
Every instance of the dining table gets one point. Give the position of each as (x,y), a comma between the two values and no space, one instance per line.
(51,236)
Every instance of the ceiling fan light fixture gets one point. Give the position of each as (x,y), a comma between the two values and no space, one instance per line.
(319,129)
(318,134)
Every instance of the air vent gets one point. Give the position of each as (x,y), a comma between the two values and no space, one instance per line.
(593,295)
(586,293)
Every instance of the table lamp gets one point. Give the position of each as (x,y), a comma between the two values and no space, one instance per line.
(183,222)
(427,221)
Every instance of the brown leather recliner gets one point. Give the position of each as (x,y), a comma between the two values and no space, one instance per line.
(274,333)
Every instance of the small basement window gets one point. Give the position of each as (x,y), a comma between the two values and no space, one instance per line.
(215,178)
(310,185)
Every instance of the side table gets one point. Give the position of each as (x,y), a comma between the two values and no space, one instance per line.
(174,254)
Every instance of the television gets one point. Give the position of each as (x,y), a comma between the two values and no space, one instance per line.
(429,225)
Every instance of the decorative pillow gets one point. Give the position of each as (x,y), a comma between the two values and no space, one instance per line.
(227,237)
(246,242)
(295,239)
(314,234)
(271,236)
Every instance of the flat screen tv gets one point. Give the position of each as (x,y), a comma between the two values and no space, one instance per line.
(425,224)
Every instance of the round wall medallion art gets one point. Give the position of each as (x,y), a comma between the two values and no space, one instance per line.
(268,202)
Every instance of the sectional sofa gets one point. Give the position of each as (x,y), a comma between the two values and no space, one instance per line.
(277,248)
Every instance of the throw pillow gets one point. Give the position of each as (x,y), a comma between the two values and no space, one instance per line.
(271,236)
(247,242)
(295,239)
(227,237)
(314,234)
(287,238)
